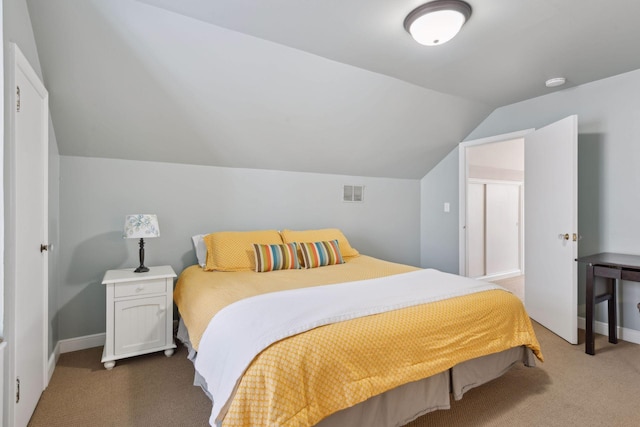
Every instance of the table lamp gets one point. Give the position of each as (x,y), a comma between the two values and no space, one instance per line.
(141,226)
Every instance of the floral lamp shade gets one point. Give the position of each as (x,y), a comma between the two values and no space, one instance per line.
(141,226)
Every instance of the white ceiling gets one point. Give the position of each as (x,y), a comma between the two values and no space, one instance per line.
(323,86)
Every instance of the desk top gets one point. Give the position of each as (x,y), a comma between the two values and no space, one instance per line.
(612,260)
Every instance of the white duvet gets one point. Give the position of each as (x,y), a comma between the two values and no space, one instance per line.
(240,331)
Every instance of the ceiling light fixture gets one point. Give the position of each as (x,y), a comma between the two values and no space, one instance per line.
(555,82)
(437,22)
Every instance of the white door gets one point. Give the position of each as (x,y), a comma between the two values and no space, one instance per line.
(551,212)
(475,230)
(503,228)
(27,212)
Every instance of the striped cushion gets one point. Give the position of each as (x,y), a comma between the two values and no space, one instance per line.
(319,254)
(320,235)
(276,257)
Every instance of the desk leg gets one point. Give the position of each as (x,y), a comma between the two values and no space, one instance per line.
(613,306)
(590,301)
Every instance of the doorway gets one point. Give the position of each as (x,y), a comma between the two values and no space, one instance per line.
(492,212)
(550,213)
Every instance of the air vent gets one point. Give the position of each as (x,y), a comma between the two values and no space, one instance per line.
(353,193)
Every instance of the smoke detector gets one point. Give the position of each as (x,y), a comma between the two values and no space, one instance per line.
(555,82)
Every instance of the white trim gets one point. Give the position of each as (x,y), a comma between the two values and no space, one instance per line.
(53,361)
(462,188)
(2,209)
(500,276)
(73,344)
(3,345)
(602,328)
(498,138)
(4,369)
(494,181)
(81,343)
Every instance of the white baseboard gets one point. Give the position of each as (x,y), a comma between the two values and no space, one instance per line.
(53,361)
(501,276)
(81,343)
(72,344)
(602,328)
(3,345)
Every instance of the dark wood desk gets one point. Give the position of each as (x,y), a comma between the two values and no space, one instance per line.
(611,267)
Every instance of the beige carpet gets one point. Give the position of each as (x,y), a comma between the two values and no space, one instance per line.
(569,389)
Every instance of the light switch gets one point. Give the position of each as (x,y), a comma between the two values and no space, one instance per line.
(447,208)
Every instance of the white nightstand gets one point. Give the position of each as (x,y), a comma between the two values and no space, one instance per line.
(139,313)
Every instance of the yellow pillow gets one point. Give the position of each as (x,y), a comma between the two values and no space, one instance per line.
(326,234)
(233,250)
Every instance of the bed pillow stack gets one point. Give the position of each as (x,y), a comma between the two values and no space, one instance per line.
(271,250)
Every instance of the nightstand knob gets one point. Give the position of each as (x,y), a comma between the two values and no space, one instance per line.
(140,288)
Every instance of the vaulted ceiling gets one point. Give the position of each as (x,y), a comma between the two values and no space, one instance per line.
(327,86)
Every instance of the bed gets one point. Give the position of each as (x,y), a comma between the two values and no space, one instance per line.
(350,340)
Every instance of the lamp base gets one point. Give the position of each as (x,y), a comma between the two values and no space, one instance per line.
(142,268)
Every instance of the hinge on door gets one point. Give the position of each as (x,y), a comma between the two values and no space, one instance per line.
(18,99)
(17,390)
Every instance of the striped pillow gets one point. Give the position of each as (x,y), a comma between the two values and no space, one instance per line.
(276,257)
(319,254)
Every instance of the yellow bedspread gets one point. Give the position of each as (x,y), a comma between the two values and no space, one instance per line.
(302,379)
(200,294)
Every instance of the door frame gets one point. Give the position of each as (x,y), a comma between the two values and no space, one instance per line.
(463,173)
(18,60)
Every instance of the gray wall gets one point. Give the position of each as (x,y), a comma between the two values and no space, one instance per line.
(96,194)
(608,175)
(439,229)
(54,237)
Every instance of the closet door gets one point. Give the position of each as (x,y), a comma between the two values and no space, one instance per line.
(502,228)
(475,230)
(26,258)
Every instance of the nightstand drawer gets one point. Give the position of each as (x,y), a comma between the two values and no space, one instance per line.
(140,288)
